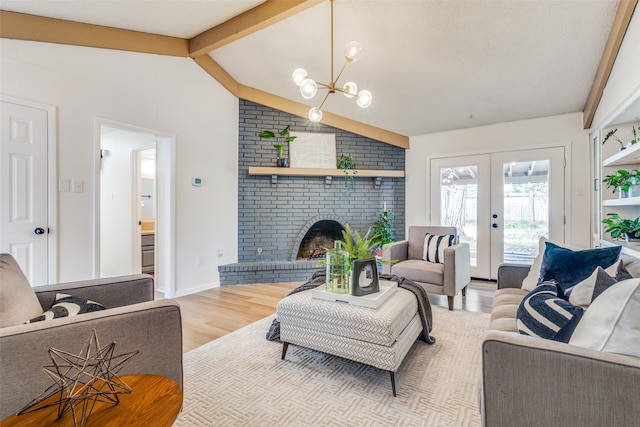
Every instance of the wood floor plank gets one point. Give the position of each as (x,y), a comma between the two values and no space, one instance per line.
(213,313)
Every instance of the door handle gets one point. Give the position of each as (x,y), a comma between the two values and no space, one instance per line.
(494,225)
(39,231)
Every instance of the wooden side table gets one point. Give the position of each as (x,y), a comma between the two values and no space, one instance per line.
(153,401)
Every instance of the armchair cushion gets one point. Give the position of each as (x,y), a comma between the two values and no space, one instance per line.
(434,245)
(420,271)
(67,305)
(18,300)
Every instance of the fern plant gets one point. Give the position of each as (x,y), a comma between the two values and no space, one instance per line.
(357,245)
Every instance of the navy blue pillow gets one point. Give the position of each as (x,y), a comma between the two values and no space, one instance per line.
(569,268)
(542,313)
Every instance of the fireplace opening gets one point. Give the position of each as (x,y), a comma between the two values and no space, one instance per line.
(319,237)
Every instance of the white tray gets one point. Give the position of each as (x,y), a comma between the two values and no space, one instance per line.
(387,288)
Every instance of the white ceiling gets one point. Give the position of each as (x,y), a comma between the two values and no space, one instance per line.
(432,65)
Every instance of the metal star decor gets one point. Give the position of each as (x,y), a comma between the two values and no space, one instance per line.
(82,380)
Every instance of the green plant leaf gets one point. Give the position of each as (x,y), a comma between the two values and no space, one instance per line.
(267,134)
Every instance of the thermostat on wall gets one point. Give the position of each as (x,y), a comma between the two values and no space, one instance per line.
(196,182)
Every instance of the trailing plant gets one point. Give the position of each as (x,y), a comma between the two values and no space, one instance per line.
(284,133)
(610,134)
(383,227)
(348,165)
(622,180)
(619,227)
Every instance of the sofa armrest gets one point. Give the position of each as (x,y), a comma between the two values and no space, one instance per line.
(111,292)
(511,275)
(396,251)
(154,328)
(528,381)
(457,268)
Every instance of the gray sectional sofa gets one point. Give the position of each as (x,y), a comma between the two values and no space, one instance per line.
(530,381)
(132,319)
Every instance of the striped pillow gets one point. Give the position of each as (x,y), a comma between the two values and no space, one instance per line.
(542,313)
(434,245)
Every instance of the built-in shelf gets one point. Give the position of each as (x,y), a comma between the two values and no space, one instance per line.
(627,201)
(628,156)
(363,173)
(632,249)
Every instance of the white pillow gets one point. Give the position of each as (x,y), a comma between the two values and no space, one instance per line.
(434,246)
(612,321)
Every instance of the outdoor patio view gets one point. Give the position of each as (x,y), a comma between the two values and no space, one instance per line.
(525,201)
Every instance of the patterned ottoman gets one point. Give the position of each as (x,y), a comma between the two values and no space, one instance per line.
(378,337)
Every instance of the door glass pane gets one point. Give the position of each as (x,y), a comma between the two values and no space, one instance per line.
(458,206)
(526,209)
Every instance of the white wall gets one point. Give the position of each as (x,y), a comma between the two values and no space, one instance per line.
(167,94)
(543,132)
(116,192)
(625,74)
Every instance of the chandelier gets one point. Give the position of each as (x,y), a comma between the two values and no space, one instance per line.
(309,87)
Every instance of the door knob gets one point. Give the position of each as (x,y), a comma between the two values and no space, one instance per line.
(495,215)
(39,231)
(494,225)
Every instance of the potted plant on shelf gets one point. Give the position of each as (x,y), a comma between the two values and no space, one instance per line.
(624,181)
(281,161)
(348,165)
(622,228)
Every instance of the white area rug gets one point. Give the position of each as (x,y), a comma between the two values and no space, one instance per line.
(240,380)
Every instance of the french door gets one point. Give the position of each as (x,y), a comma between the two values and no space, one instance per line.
(501,203)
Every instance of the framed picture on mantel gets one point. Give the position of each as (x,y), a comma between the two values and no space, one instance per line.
(313,150)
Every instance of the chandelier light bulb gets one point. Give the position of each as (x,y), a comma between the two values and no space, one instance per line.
(364,98)
(315,114)
(352,51)
(308,88)
(350,89)
(298,76)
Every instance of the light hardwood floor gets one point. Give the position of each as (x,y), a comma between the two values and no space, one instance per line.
(216,312)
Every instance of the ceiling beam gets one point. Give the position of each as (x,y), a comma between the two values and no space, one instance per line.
(218,73)
(21,26)
(301,110)
(618,29)
(261,16)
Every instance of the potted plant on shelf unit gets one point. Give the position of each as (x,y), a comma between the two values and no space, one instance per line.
(622,228)
(281,161)
(624,181)
(348,165)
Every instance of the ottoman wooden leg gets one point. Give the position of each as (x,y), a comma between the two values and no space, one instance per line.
(450,301)
(285,346)
(393,382)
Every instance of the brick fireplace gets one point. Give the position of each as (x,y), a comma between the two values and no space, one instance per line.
(274,216)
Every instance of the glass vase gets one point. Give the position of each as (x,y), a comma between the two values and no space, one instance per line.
(338,270)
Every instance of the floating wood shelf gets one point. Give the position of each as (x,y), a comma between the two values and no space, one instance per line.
(628,201)
(362,173)
(628,156)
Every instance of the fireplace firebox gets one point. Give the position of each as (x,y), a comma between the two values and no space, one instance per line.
(319,237)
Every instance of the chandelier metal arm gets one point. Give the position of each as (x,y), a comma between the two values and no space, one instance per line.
(325,98)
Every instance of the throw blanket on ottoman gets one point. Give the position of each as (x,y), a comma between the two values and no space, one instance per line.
(424,306)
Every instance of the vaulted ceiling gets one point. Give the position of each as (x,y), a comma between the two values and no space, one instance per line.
(432,65)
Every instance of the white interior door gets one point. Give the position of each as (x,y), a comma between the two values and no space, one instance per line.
(24,223)
(501,203)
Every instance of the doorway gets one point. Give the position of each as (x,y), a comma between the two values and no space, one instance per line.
(135,220)
(501,203)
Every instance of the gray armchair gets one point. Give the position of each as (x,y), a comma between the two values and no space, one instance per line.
(447,278)
(132,319)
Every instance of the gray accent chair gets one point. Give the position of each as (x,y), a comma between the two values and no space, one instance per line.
(531,381)
(447,279)
(132,319)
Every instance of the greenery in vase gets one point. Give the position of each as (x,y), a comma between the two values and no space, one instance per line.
(622,180)
(284,133)
(347,163)
(610,134)
(359,246)
(619,227)
(383,227)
